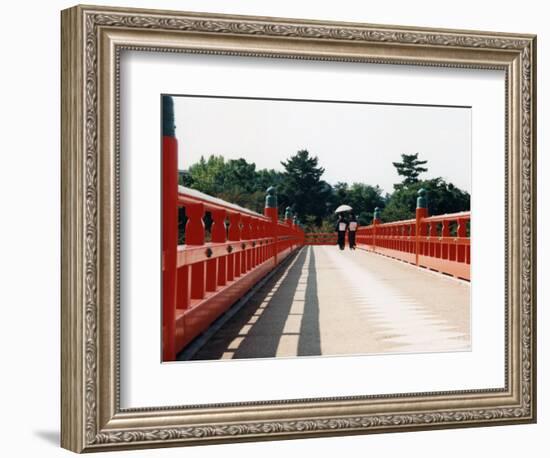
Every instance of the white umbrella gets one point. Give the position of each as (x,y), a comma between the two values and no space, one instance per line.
(343,208)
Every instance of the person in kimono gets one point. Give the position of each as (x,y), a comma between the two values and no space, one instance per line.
(352,230)
(341,228)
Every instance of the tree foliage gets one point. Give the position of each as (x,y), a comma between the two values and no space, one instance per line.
(235,180)
(410,168)
(442,198)
(363,198)
(300,186)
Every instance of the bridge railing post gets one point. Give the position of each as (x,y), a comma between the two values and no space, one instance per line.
(195,235)
(296,230)
(262,235)
(421,213)
(272,212)
(234,235)
(440,243)
(170,228)
(461,233)
(216,275)
(253,249)
(245,235)
(375,223)
(290,231)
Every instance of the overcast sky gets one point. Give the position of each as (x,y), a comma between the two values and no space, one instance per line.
(354,142)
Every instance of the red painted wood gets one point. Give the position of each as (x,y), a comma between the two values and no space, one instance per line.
(425,241)
(219,272)
(194,235)
(169,244)
(272,232)
(203,314)
(419,229)
(246,235)
(184,288)
(234,234)
(219,231)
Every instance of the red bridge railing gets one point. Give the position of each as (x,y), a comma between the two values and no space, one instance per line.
(212,275)
(205,275)
(439,243)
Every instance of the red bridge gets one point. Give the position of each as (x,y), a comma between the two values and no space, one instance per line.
(304,295)
(208,273)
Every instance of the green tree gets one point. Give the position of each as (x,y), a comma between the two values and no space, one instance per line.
(364,198)
(235,180)
(340,195)
(239,175)
(302,187)
(206,175)
(442,198)
(268,177)
(410,168)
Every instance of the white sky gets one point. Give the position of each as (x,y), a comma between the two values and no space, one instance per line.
(354,142)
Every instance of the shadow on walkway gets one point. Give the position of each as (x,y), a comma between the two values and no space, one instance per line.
(309,343)
(264,326)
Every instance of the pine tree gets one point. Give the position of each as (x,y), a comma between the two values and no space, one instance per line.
(410,168)
(303,188)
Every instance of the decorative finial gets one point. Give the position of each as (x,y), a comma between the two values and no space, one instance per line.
(168,120)
(422,200)
(271,198)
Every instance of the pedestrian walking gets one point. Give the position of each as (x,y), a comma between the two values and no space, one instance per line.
(352,230)
(341,228)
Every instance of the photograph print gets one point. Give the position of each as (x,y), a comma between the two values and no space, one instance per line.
(309,228)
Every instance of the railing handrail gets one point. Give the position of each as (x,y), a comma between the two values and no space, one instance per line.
(426,219)
(446,216)
(391,223)
(192,196)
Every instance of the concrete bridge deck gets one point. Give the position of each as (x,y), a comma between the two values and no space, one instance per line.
(331,302)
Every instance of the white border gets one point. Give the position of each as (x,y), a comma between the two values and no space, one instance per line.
(145,382)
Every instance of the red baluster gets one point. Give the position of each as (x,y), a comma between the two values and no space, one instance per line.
(437,240)
(412,238)
(245,235)
(445,234)
(254,238)
(217,267)
(433,236)
(468,249)
(396,237)
(461,235)
(184,288)
(452,250)
(262,237)
(234,235)
(194,235)
(400,232)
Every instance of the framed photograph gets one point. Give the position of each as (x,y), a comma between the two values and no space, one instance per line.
(278,228)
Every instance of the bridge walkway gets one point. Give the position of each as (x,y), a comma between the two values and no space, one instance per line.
(330,302)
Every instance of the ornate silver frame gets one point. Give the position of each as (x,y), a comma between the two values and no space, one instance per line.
(92,38)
